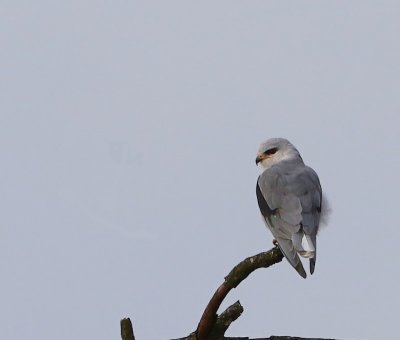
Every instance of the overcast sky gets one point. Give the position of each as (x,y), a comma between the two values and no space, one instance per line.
(128,134)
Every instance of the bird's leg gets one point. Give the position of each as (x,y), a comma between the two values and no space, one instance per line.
(275,242)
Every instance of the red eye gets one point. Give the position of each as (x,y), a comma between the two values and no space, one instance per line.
(271,151)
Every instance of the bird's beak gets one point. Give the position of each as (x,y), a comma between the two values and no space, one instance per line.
(258,159)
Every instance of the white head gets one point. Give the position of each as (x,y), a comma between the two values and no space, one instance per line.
(275,150)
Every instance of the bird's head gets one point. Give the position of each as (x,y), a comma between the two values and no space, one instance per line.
(275,150)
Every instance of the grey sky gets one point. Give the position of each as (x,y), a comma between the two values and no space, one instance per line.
(128,133)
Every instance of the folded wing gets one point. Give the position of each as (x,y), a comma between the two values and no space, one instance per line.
(289,197)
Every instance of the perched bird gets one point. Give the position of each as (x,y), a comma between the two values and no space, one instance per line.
(290,198)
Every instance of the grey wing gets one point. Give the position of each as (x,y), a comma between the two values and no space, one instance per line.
(289,199)
(281,230)
(309,191)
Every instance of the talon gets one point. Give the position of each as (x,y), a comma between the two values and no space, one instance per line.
(275,242)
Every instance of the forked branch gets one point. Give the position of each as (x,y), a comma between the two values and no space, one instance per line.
(212,326)
(232,280)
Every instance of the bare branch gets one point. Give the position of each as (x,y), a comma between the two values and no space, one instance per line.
(212,326)
(127,329)
(225,320)
(232,280)
(273,337)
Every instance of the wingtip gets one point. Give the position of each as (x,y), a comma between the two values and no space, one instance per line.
(299,268)
(287,248)
(312,265)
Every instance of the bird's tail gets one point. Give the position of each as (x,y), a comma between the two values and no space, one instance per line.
(290,252)
(304,244)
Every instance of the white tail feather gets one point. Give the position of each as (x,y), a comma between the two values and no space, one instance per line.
(303,244)
(308,247)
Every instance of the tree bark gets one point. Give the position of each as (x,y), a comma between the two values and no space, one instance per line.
(213,326)
(127,329)
(232,280)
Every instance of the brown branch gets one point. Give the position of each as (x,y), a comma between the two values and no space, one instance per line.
(127,329)
(225,320)
(274,337)
(232,280)
(212,326)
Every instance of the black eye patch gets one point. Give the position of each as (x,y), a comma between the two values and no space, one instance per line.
(271,151)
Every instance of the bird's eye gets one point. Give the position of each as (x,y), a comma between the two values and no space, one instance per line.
(271,151)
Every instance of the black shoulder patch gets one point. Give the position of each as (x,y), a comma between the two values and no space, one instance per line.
(266,211)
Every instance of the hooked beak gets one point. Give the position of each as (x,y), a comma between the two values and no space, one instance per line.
(258,159)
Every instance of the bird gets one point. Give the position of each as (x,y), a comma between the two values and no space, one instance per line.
(289,196)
